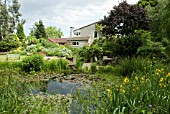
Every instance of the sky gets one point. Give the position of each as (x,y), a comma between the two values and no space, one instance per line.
(65,13)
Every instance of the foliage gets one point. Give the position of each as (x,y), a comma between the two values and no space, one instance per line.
(9,17)
(10,65)
(160,22)
(32,63)
(145,92)
(150,47)
(15,97)
(93,68)
(108,70)
(47,44)
(79,65)
(20,31)
(88,53)
(58,65)
(53,32)
(31,40)
(145,3)
(127,46)
(40,30)
(124,19)
(9,43)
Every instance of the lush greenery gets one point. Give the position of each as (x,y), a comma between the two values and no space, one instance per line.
(135,79)
(9,17)
(142,91)
(125,19)
(53,32)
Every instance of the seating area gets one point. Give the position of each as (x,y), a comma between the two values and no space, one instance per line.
(13,56)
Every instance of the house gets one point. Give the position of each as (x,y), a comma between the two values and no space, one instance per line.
(80,37)
(88,30)
(73,41)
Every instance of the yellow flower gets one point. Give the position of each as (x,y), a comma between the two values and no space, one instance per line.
(126,80)
(122,91)
(161,80)
(109,93)
(162,85)
(142,78)
(147,79)
(108,90)
(121,87)
(136,78)
(168,75)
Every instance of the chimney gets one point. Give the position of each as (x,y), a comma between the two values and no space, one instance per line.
(71,31)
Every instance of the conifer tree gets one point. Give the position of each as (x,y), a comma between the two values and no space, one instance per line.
(20,30)
(40,30)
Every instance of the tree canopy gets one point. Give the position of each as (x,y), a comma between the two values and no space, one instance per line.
(40,30)
(124,19)
(9,17)
(20,30)
(53,32)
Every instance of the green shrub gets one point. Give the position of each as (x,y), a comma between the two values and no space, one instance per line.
(57,65)
(62,65)
(93,68)
(128,66)
(79,65)
(107,70)
(47,44)
(10,65)
(8,45)
(101,69)
(32,63)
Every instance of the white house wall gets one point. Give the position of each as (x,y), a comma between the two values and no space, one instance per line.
(81,43)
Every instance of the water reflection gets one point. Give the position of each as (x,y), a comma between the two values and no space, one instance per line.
(56,87)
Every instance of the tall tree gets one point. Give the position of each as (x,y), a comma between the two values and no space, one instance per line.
(3,20)
(40,30)
(9,17)
(14,11)
(20,30)
(53,32)
(160,25)
(124,19)
(145,3)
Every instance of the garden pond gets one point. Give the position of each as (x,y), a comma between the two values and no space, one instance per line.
(64,86)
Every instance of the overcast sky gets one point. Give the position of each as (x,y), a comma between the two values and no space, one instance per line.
(65,13)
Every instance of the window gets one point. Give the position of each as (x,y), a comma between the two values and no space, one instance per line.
(95,34)
(77,33)
(75,43)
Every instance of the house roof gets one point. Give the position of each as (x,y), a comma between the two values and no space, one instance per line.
(58,40)
(86,26)
(64,40)
(86,38)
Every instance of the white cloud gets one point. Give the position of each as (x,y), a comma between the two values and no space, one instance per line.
(65,13)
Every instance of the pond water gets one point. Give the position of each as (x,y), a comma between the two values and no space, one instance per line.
(64,88)
(56,87)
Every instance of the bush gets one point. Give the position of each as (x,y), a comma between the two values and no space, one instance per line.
(58,65)
(136,65)
(10,65)
(93,68)
(32,63)
(128,66)
(79,65)
(107,69)
(8,45)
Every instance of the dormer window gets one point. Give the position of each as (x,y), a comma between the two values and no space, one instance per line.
(77,33)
